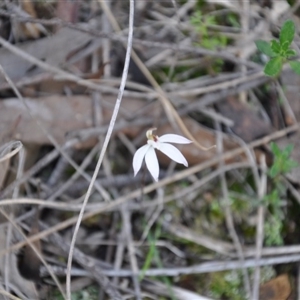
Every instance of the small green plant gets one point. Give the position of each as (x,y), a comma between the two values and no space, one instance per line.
(151,253)
(227,285)
(280,51)
(274,222)
(89,293)
(273,231)
(282,164)
(207,40)
(211,40)
(153,256)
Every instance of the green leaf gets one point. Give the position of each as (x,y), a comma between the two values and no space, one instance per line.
(289,165)
(273,67)
(287,150)
(290,53)
(282,162)
(287,33)
(265,48)
(274,171)
(295,65)
(275,46)
(285,46)
(275,149)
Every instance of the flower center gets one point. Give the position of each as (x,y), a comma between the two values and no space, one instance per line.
(150,136)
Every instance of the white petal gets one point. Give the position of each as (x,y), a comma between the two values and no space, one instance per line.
(152,163)
(138,158)
(173,153)
(174,138)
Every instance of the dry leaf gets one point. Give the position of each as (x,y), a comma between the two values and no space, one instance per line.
(31,30)
(62,115)
(26,30)
(59,115)
(247,124)
(53,50)
(278,288)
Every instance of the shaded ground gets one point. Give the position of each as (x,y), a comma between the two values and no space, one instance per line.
(226,227)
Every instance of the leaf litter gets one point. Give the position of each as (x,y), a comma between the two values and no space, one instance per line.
(194,234)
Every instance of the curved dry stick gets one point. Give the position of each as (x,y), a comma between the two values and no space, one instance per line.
(36,251)
(13,152)
(39,124)
(20,168)
(105,144)
(4,293)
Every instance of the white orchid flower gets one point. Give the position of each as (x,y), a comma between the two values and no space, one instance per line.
(162,144)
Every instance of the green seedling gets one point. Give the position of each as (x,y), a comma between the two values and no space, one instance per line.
(207,40)
(280,51)
(282,163)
